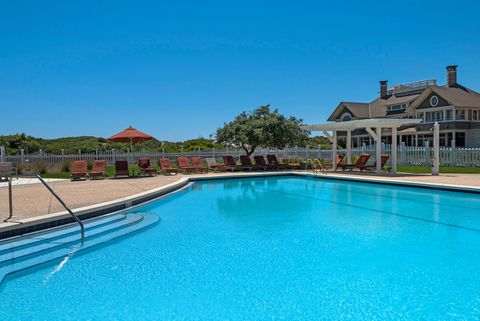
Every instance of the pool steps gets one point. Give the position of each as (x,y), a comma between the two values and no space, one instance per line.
(25,252)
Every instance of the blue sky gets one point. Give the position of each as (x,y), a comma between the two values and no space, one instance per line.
(179,69)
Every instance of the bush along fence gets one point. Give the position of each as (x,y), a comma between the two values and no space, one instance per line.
(406,155)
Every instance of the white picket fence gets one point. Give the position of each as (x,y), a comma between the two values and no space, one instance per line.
(420,156)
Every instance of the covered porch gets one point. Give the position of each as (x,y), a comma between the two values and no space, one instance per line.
(374,129)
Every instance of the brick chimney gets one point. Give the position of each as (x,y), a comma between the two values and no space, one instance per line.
(383,88)
(451,76)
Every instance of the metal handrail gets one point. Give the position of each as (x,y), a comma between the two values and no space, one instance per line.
(75,217)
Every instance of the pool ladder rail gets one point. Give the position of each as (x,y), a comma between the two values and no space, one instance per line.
(75,217)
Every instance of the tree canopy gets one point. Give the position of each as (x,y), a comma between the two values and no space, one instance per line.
(262,127)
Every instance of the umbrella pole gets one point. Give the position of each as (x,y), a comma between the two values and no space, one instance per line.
(131,156)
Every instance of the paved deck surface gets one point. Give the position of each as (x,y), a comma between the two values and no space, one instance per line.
(34,200)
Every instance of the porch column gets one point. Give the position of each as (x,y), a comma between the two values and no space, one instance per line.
(334,151)
(378,150)
(394,150)
(436,149)
(349,146)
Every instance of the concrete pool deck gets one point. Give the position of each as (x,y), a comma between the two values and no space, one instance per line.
(33,202)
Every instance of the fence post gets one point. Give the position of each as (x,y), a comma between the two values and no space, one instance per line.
(2,153)
(426,153)
(22,156)
(454,152)
(63,155)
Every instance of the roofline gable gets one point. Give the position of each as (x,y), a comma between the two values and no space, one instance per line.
(413,106)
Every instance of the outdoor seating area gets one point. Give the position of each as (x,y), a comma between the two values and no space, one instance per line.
(144,166)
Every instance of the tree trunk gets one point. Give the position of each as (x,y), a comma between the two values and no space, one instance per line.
(247,151)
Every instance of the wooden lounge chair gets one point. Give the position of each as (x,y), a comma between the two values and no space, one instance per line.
(197,164)
(359,164)
(273,161)
(121,168)
(166,166)
(247,164)
(98,169)
(184,165)
(383,161)
(79,169)
(324,167)
(230,164)
(145,167)
(260,161)
(212,165)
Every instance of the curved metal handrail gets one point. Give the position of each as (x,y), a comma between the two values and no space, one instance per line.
(75,217)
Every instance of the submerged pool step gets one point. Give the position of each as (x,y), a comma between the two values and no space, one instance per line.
(15,253)
(46,236)
(65,248)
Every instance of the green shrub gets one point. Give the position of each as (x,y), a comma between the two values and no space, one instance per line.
(66,166)
(40,168)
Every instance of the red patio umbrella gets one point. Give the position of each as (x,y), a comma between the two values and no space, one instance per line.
(130,135)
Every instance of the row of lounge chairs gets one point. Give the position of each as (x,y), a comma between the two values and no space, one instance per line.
(360,163)
(184,165)
(196,165)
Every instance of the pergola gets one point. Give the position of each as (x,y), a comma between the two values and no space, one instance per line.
(373,127)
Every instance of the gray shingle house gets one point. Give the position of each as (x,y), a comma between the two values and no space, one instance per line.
(455,107)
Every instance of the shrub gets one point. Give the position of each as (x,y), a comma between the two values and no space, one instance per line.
(40,168)
(66,166)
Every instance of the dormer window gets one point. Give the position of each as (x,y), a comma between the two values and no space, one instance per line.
(346,117)
(397,107)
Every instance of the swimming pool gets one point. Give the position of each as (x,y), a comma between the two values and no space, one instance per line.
(272,248)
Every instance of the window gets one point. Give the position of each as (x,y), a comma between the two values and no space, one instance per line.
(434,101)
(397,107)
(460,114)
(346,117)
(448,114)
(475,114)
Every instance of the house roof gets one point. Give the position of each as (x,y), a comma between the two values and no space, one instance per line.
(457,95)
(358,110)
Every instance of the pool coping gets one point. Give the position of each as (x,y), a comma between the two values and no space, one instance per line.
(25,226)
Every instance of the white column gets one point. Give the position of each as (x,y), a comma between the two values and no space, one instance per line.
(349,146)
(378,149)
(334,151)
(436,149)
(394,150)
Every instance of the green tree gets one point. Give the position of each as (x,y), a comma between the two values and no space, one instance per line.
(262,127)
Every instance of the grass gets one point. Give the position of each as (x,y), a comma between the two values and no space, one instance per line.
(443,169)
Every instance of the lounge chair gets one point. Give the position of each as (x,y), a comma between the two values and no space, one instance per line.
(383,161)
(98,169)
(273,161)
(145,167)
(247,164)
(230,164)
(121,168)
(338,160)
(212,165)
(184,165)
(359,164)
(197,164)
(260,161)
(79,169)
(166,166)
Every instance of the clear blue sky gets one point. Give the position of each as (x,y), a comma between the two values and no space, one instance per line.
(179,69)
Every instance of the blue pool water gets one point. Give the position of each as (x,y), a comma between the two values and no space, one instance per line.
(272,248)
